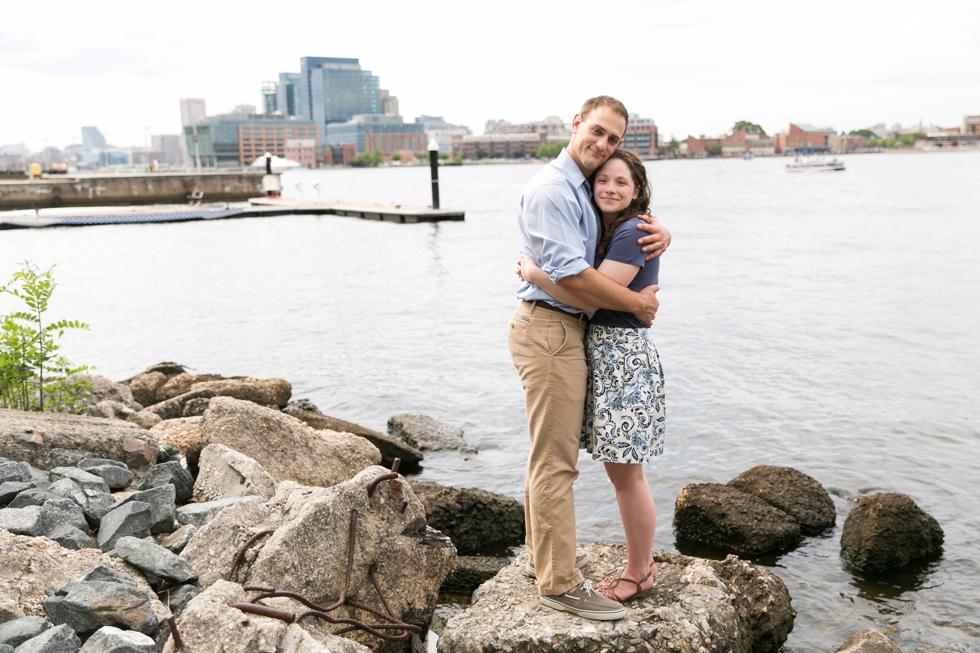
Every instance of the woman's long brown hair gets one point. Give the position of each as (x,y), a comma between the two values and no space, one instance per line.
(639,206)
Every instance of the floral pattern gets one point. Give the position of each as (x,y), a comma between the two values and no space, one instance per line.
(625,416)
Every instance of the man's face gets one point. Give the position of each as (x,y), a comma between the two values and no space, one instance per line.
(595,138)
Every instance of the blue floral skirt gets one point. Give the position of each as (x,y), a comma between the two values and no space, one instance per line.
(624,405)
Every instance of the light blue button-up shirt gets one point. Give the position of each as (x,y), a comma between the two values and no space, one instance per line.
(559,228)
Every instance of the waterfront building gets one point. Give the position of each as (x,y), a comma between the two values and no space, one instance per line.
(389,134)
(270,97)
(389,103)
(802,136)
(287,94)
(236,139)
(170,147)
(971,125)
(334,90)
(502,146)
(552,125)
(442,132)
(740,142)
(92,139)
(302,151)
(701,147)
(245,109)
(845,143)
(339,155)
(641,137)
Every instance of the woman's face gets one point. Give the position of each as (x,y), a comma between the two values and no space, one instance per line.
(614,188)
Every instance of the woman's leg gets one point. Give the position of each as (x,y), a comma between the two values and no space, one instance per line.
(639,517)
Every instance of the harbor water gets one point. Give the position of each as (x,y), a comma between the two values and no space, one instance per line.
(825,322)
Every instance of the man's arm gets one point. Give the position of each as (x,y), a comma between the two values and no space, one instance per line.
(658,240)
(595,289)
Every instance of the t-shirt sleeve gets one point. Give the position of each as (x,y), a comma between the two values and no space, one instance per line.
(623,246)
(551,223)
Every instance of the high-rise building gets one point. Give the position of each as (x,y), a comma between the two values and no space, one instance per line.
(389,103)
(389,134)
(92,139)
(270,97)
(335,90)
(287,94)
(170,145)
(191,111)
(237,139)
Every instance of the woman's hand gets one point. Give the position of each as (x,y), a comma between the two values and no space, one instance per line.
(526,267)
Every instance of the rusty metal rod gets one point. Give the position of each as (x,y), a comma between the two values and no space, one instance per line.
(404,506)
(395,463)
(373,573)
(241,552)
(384,477)
(172,622)
(265,611)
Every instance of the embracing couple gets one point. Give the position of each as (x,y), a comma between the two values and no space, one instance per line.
(580,342)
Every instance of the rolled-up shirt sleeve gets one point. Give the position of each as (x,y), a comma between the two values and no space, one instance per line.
(551,221)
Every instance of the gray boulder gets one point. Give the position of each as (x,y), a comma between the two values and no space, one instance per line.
(389,447)
(114,409)
(105,574)
(284,446)
(470,572)
(798,495)
(174,407)
(94,504)
(116,475)
(199,514)
(145,385)
(868,641)
(132,519)
(273,393)
(18,631)
(113,640)
(731,520)
(182,383)
(176,541)
(144,419)
(154,559)
(10,489)
(162,502)
(102,389)
(22,521)
(170,474)
(886,531)
(196,407)
(12,472)
(62,512)
(427,434)
(225,473)
(178,598)
(695,605)
(48,440)
(32,497)
(70,537)
(60,639)
(81,478)
(180,432)
(473,519)
(86,606)
(303,405)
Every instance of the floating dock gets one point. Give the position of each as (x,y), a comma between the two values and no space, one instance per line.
(257,207)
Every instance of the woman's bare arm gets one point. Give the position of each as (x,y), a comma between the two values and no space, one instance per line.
(621,273)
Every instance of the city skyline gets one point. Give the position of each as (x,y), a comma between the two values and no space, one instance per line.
(697,66)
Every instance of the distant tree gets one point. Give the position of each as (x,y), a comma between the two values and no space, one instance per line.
(550,150)
(715,149)
(910,139)
(396,156)
(443,156)
(482,154)
(367,159)
(749,127)
(867,133)
(673,146)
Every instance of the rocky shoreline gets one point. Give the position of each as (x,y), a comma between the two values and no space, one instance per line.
(196,512)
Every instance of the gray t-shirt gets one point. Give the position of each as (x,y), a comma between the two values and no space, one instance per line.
(624,249)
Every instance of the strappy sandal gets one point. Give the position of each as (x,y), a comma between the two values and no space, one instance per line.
(607,587)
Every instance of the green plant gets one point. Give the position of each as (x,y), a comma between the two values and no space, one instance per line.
(550,150)
(458,157)
(368,158)
(32,374)
(396,157)
(482,154)
(749,127)
(715,149)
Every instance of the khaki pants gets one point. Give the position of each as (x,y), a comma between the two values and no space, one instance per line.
(548,349)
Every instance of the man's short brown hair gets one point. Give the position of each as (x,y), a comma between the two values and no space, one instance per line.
(605,101)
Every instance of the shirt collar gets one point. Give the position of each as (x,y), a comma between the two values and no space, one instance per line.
(571,170)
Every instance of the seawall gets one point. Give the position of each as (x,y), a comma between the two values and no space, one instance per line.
(114,190)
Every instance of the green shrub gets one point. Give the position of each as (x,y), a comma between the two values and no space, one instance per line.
(550,150)
(32,374)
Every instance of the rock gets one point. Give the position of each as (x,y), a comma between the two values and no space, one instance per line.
(86,606)
(304,405)
(868,641)
(192,456)
(60,639)
(178,598)
(427,434)
(145,419)
(112,640)
(102,389)
(170,474)
(16,632)
(31,567)
(285,447)
(731,520)
(176,541)
(224,473)
(109,575)
(179,432)
(131,519)
(48,440)
(11,472)
(32,497)
(181,383)
(116,475)
(114,409)
(389,447)
(81,478)
(470,572)
(798,495)
(154,559)
(199,514)
(11,489)
(168,452)
(174,407)
(60,511)
(162,502)
(94,505)
(144,387)
(196,407)
(273,393)
(22,521)
(886,531)
(474,519)
(70,537)
(695,605)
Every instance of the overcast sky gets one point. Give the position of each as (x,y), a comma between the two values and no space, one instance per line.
(695,66)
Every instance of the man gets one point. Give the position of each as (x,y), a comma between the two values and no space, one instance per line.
(559,230)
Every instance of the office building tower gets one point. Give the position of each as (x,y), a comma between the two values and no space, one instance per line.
(191,111)
(92,139)
(269,97)
(287,94)
(389,103)
(335,90)
(170,146)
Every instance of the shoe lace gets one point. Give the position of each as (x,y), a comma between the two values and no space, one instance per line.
(589,588)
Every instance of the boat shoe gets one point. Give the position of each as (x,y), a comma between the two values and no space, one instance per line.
(584,601)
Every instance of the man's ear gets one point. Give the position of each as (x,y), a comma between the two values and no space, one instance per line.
(576,121)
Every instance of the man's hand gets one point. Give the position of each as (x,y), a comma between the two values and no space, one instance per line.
(658,240)
(648,305)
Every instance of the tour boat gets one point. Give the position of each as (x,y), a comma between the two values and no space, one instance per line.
(814,165)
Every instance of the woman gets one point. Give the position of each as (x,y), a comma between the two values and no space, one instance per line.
(624,409)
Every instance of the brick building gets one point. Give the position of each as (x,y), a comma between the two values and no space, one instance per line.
(740,142)
(971,125)
(701,147)
(844,143)
(302,151)
(389,134)
(804,137)
(641,137)
(507,146)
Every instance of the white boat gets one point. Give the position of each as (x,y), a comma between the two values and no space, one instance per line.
(82,216)
(814,165)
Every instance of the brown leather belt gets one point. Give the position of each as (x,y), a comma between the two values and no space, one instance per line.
(545,305)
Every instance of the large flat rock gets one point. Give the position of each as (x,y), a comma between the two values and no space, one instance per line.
(49,440)
(695,606)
